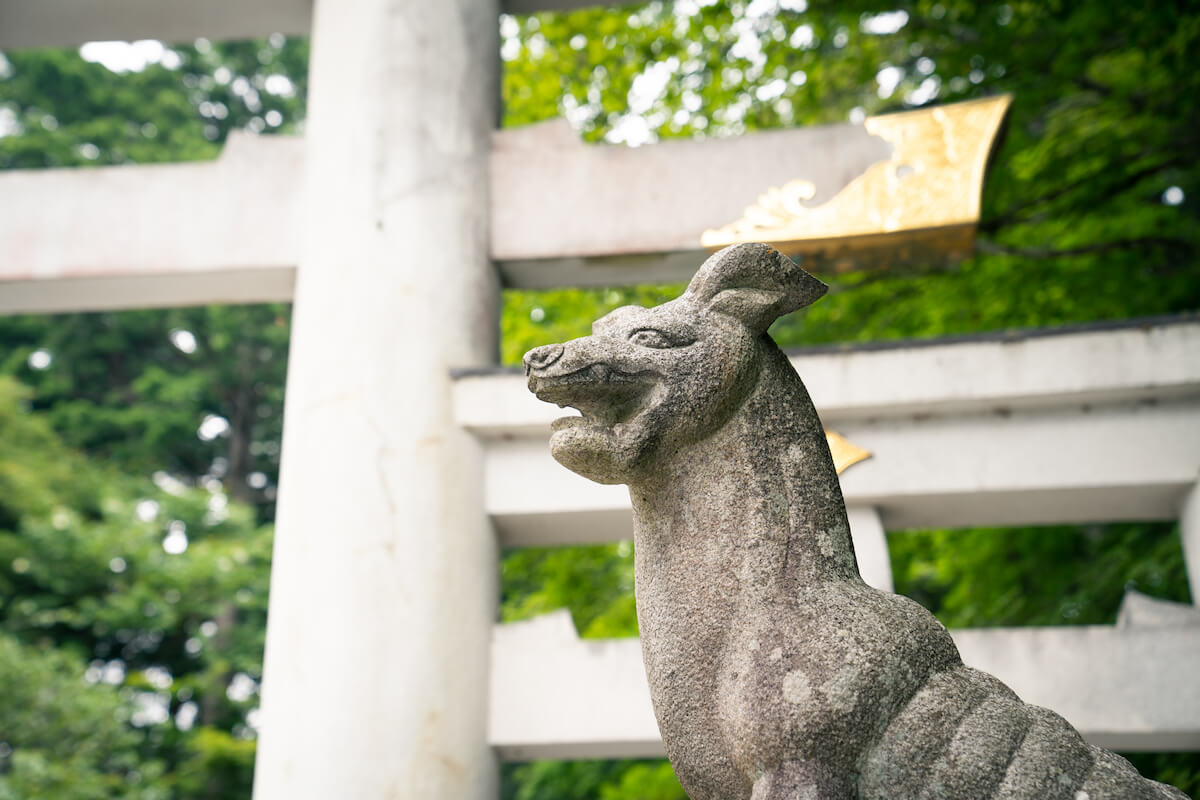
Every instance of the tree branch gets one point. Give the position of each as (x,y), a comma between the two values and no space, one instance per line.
(1015,214)
(1139,103)
(892,272)
(995,248)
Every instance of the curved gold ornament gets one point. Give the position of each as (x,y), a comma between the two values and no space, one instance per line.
(845,452)
(925,198)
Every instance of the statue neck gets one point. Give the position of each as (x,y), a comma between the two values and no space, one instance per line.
(759,496)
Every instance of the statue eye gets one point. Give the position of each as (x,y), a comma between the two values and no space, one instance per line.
(648,337)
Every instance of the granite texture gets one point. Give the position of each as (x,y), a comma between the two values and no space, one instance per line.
(774,670)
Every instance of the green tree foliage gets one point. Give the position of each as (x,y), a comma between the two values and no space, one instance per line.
(192,392)
(595,583)
(108,579)
(62,738)
(591,780)
(999,576)
(61,110)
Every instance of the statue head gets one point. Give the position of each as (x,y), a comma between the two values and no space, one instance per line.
(649,382)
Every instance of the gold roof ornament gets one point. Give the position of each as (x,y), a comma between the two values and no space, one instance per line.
(923,201)
(845,452)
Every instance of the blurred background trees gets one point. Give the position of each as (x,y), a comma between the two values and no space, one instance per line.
(139,450)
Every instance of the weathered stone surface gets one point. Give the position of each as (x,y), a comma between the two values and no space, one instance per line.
(775,671)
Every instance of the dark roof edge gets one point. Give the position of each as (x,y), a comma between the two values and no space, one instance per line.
(1005,335)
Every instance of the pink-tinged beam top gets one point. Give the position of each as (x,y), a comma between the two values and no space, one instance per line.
(63,23)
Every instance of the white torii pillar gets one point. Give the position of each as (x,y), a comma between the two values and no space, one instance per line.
(383,586)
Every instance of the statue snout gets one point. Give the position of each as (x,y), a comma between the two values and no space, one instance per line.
(541,357)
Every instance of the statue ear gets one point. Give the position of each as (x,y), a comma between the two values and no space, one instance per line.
(754,283)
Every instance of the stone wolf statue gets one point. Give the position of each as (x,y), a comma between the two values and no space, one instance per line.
(775,671)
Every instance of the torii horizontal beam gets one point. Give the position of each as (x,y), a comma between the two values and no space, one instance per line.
(1129,686)
(1081,426)
(225,231)
(1027,468)
(563,213)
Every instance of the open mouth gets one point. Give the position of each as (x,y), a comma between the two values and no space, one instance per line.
(603,396)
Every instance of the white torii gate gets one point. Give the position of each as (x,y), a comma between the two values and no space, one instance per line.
(390,226)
